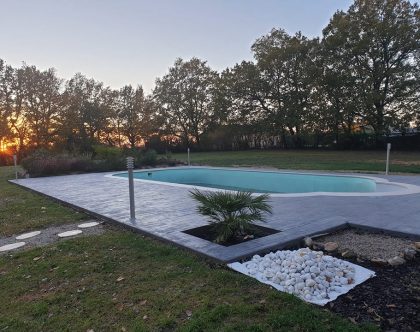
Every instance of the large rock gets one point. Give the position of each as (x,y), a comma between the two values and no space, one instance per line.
(410,254)
(308,242)
(330,246)
(395,261)
(348,254)
(317,246)
(379,261)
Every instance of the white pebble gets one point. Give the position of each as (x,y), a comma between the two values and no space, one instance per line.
(305,273)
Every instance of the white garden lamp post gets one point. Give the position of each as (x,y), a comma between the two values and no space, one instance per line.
(130,167)
(388,150)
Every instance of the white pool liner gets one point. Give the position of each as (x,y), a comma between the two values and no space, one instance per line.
(361,275)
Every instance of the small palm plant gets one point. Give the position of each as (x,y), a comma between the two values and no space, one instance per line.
(232,213)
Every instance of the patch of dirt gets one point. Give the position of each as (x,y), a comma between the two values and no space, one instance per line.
(390,300)
(396,162)
(368,245)
(208,233)
(34,296)
(406,163)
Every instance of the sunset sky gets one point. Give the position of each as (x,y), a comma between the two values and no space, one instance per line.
(133,42)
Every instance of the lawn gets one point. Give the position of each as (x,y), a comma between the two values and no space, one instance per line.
(362,161)
(21,210)
(121,281)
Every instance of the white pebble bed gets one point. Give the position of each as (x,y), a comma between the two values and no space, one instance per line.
(308,274)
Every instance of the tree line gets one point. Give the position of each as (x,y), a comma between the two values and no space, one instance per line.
(363,72)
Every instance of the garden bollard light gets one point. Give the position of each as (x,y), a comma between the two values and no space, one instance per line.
(188,152)
(130,167)
(388,149)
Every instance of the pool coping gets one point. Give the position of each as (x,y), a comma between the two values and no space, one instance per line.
(408,188)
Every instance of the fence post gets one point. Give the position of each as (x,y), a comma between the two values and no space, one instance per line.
(388,149)
(15,163)
(188,153)
(130,167)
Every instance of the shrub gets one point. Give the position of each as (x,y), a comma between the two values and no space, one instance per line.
(43,163)
(147,158)
(103,152)
(231,213)
(107,158)
(5,159)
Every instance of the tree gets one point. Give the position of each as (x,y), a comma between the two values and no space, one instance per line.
(42,102)
(380,39)
(185,99)
(287,66)
(4,97)
(85,112)
(13,104)
(337,90)
(135,114)
(247,94)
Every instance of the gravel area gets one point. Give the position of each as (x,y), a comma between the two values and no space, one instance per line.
(368,245)
(49,235)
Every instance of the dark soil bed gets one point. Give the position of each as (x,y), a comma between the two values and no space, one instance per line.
(207,233)
(391,299)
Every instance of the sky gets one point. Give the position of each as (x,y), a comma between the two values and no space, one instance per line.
(123,42)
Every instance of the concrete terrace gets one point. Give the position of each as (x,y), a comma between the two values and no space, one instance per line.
(165,211)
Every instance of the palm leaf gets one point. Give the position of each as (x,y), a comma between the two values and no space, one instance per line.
(231,213)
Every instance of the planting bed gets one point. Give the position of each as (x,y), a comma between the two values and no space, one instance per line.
(390,300)
(208,233)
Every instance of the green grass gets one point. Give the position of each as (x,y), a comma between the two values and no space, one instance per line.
(77,285)
(21,210)
(74,286)
(362,161)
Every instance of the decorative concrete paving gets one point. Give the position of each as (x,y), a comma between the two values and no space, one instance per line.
(165,211)
(70,233)
(45,237)
(28,235)
(88,224)
(12,246)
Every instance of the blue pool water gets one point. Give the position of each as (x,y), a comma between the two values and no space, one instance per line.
(255,181)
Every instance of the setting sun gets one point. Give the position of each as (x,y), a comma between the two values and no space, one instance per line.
(3,146)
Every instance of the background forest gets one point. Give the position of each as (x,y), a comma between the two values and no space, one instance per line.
(354,88)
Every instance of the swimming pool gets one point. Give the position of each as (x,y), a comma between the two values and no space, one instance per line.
(257,181)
